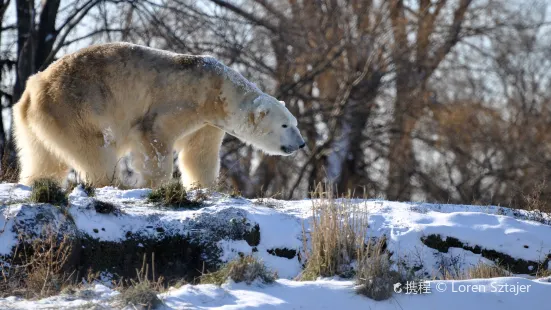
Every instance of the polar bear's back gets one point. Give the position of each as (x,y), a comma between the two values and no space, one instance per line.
(124,64)
(118,80)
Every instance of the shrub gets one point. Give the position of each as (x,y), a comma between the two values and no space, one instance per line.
(48,191)
(243,269)
(171,194)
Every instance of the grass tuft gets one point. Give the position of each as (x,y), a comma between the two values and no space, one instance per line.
(48,191)
(142,291)
(172,194)
(88,188)
(105,207)
(243,269)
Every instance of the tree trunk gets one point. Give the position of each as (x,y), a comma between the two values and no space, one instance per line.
(401,159)
(25,48)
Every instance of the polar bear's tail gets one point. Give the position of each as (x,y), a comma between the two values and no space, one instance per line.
(21,108)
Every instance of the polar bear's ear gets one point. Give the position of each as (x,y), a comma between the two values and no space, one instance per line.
(258,114)
(282,102)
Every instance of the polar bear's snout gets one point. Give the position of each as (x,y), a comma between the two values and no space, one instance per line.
(292,141)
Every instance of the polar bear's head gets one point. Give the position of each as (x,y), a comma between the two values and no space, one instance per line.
(268,125)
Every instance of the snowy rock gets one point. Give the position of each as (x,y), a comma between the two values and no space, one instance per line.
(29,221)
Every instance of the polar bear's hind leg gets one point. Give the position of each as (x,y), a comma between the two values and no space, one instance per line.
(35,161)
(49,143)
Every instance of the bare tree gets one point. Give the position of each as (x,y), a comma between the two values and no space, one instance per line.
(41,32)
(438,100)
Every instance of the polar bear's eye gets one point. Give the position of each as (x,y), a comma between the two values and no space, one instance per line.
(284,126)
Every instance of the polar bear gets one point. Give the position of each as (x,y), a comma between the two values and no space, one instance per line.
(90,108)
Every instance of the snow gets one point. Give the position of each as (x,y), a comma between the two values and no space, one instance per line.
(520,234)
(338,294)
(500,293)
(8,238)
(97,294)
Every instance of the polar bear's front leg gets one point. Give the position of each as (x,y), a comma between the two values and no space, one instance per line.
(199,156)
(152,159)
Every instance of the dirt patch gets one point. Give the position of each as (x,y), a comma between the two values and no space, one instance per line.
(176,257)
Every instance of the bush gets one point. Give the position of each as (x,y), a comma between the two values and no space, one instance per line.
(48,191)
(244,269)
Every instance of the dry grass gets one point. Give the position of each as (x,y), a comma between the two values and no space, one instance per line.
(479,271)
(338,238)
(485,271)
(243,269)
(37,268)
(543,272)
(9,167)
(142,291)
(48,191)
(374,275)
(338,230)
(536,202)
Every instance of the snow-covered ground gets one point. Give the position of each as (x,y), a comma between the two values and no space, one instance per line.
(519,235)
(320,294)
